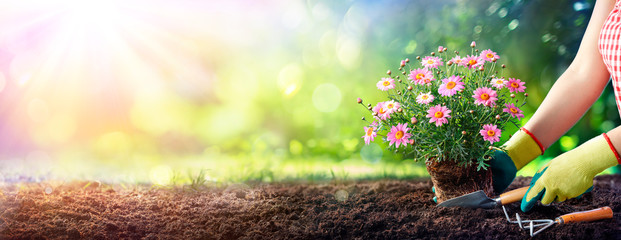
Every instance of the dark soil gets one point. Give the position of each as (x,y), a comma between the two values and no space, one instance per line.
(363,210)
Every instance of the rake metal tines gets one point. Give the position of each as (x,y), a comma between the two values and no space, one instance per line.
(542,224)
(530,224)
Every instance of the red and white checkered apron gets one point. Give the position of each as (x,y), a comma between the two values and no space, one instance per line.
(610,47)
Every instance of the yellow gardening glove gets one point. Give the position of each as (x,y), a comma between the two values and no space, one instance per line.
(520,150)
(570,174)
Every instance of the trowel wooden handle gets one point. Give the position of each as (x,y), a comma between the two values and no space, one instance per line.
(586,216)
(513,195)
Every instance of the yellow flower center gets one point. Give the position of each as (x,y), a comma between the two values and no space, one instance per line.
(438,114)
(429,61)
(382,111)
(420,76)
(513,110)
(515,85)
(491,133)
(386,83)
(424,97)
(489,55)
(472,62)
(484,96)
(450,85)
(399,135)
(370,131)
(499,82)
(390,106)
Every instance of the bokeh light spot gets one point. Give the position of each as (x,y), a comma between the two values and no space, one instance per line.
(327,97)
(547,37)
(341,195)
(579,6)
(607,126)
(289,79)
(502,12)
(411,47)
(568,142)
(348,52)
(513,24)
(161,175)
(295,147)
(492,8)
(371,153)
(562,50)
(24,79)
(477,29)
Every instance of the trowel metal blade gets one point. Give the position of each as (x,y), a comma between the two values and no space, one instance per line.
(476,199)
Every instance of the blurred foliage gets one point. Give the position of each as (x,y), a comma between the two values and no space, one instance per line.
(285,93)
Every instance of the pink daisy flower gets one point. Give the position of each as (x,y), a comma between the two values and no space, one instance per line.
(381,111)
(391,106)
(498,83)
(515,85)
(425,98)
(473,62)
(438,114)
(459,61)
(450,86)
(369,134)
(432,62)
(421,76)
(514,111)
(490,133)
(385,84)
(485,96)
(399,135)
(489,55)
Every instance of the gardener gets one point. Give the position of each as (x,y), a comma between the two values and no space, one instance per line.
(570,174)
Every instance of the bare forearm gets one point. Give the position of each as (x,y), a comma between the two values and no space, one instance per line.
(615,137)
(564,105)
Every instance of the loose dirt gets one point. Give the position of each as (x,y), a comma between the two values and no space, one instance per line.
(354,210)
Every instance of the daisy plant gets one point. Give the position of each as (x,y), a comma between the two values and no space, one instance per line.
(446,107)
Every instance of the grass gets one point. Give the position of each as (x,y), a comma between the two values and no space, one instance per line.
(197,172)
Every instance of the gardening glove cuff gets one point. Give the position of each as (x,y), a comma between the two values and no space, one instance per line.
(523,147)
(571,174)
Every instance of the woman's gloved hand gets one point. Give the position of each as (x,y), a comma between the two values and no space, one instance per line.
(571,174)
(522,148)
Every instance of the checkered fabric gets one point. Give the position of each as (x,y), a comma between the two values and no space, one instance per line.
(610,47)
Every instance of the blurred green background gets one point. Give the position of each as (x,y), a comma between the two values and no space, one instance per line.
(248,90)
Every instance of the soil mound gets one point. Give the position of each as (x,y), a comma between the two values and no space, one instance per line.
(355,210)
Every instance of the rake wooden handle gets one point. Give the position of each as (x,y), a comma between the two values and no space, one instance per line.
(512,196)
(586,216)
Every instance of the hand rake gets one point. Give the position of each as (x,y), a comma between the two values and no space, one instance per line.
(542,224)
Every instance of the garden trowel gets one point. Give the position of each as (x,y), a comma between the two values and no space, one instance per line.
(478,199)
